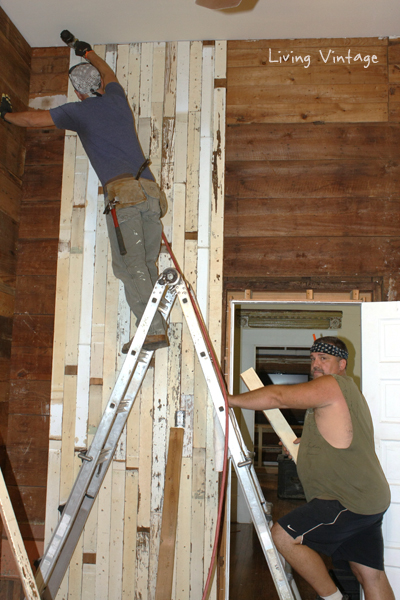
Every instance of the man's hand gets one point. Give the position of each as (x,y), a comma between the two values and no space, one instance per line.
(5,105)
(81,48)
(286,451)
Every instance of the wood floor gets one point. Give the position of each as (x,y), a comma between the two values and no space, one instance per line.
(250,578)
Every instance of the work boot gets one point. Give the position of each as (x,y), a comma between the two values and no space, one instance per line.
(152,342)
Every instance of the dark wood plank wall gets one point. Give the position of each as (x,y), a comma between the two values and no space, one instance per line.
(15,57)
(32,336)
(313,165)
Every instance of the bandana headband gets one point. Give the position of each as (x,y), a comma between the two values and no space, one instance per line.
(329,349)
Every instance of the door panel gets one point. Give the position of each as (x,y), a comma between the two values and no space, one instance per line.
(380,338)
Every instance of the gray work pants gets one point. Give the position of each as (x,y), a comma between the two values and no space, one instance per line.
(141,229)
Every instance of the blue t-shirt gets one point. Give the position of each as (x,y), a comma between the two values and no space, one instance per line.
(106,128)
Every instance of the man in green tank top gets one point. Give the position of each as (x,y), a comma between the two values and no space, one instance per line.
(345,487)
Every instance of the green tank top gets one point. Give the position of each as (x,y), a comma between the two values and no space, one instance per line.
(352,475)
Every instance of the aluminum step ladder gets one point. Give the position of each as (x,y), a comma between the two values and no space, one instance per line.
(97,459)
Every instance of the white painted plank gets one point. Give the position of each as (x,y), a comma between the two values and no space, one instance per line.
(134,79)
(146,74)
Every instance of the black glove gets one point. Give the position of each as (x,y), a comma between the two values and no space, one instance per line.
(81,48)
(5,105)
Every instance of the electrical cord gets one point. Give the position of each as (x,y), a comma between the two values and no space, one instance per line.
(218,372)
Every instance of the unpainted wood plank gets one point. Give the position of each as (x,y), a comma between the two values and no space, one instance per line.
(68,436)
(316,179)
(200,407)
(146,76)
(262,95)
(274,416)
(280,217)
(142,563)
(10,194)
(311,255)
(117,530)
(308,43)
(15,38)
(393,52)
(7,302)
(30,397)
(287,56)
(42,182)
(130,527)
(340,112)
(75,573)
(29,504)
(294,75)
(33,330)
(44,146)
(110,334)
(220,59)
(170,79)
(12,149)
(195,78)
(103,538)
(157,92)
(40,220)
(31,363)
(16,543)
(308,141)
(170,515)
(394,73)
(26,465)
(15,71)
(178,220)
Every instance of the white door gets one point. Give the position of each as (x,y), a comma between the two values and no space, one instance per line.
(380,339)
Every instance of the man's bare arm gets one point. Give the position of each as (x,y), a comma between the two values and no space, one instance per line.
(31,118)
(320,392)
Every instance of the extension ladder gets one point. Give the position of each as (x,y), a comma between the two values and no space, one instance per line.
(97,459)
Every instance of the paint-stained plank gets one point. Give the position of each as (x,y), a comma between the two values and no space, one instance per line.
(170,515)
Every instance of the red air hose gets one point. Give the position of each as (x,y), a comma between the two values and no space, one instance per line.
(218,372)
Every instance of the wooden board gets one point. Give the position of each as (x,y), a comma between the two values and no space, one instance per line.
(17,545)
(283,141)
(170,515)
(318,179)
(270,217)
(274,415)
(328,257)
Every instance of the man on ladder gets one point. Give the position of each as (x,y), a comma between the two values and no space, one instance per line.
(105,125)
(345,487)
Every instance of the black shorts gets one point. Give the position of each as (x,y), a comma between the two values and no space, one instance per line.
(328,527)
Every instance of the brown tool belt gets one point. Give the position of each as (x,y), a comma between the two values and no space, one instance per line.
(125,191)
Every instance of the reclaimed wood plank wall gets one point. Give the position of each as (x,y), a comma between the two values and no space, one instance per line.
(313,165)
(15,56)
(32,337)
(177,94)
